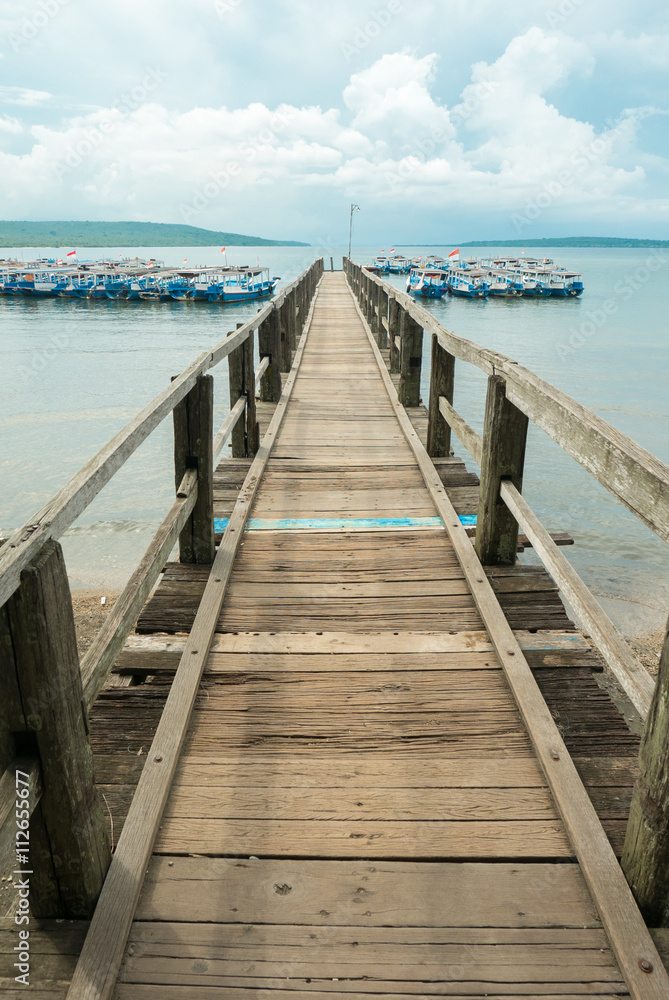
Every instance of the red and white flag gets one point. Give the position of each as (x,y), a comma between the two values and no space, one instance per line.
(72,253)
(185,260)
(454,253)
(59,261)
(222,249)
(392,249)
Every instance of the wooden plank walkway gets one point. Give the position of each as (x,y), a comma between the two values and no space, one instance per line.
(358,810)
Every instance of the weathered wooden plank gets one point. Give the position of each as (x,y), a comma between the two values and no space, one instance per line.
(384,642)
(526,839)
(333,990)
(360,803)
(396,893)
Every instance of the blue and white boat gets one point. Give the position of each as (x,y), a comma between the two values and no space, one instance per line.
(381,265)
(469,284)
(234,285)
(399,264)
(503,284)
(565,283)
(78,285)
(429,283)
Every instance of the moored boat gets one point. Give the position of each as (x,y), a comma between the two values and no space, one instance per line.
(429,283)
(470,284)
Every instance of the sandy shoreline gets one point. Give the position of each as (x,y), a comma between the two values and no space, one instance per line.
(90,614)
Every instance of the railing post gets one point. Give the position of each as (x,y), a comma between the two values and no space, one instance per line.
(302,315)
(375,318)
(244,438)
(292,320)
(237,382)
(269,342)
(395,314)
(252,425)
(42,715)
(382,336)
(442,377)
(193,436)
(504,438)
(645,859)
(411,359)
(286,336)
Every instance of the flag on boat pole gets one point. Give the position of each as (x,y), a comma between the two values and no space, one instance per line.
(222,249)
(72,253)
(454,254)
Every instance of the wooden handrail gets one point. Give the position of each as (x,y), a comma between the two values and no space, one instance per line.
(226,427)
(262,368)
(472,441)
(631,473)
(628,669)
(99,659)
(65,507)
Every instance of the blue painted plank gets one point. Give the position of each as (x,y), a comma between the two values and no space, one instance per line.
(351,523)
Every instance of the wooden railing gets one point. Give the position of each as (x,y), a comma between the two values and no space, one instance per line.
(45,692)
(633,475)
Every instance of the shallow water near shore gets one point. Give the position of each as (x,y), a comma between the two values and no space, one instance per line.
(74,372)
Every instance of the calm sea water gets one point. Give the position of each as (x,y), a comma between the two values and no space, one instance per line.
(73,372)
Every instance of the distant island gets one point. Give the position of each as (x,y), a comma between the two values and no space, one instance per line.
(125,234)
(570,241)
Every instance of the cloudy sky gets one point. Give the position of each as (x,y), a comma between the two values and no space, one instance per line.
(443,120)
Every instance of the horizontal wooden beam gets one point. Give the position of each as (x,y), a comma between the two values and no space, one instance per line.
(100,658)
(630,673)
(227,426)
(472,441)
(262,368)
(65,507)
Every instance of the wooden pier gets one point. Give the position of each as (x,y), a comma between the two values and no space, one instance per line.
(343,749)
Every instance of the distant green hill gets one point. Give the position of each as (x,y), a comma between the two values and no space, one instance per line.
(570,241)
(124,234)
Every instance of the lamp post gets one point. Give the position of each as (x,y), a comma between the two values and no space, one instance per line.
(354,208)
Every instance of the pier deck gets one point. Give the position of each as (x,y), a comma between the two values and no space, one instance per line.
(358,809)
